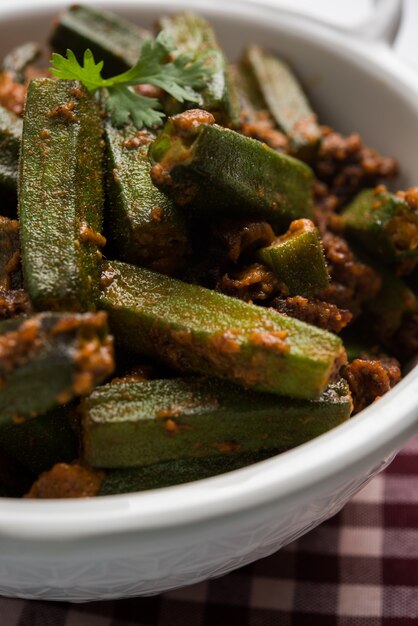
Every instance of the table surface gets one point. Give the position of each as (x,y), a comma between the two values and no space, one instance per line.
(359,568)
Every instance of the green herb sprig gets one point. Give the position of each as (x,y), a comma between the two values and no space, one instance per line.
(180,78)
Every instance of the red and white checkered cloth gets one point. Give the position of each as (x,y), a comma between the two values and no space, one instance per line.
(358,569)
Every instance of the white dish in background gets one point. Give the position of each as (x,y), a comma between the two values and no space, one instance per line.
(153,541)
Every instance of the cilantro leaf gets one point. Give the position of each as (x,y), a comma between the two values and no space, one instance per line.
(176,77)
(179,77)
(70,69)
(125,105)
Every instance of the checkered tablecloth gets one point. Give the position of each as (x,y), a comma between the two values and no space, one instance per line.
(360,568)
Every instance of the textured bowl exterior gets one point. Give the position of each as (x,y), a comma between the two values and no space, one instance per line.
(172,560)
(141,544)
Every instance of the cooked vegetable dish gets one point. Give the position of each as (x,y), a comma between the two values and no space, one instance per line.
(195,273)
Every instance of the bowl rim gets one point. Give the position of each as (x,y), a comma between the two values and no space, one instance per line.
(357,445)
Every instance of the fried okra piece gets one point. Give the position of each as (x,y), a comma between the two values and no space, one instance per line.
(297,259)
(79,481)
(61,196)
(112,39)
(145,227)
(50,358)
(285,99)
(385,224)
(192,163)
(139,424)
(194,329)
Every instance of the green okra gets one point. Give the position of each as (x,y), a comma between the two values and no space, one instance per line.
(250,97)
(297,258)
(285,100)
(38,443)
(194,36)
(49,358)
(168,473)
(384,223)
(10,137)
(137,424)
(194,329)
(111,38)
(144,225)
(16,62)
(61,195)
(216,171)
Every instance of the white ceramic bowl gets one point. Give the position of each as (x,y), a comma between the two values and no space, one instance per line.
(146,543)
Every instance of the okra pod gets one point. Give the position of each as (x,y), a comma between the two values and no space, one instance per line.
(137,424)
(194,329)
(297,258)
(285,100)
(61,196)
(48,359)
(144,225)
(216,171)
(111,38)
(249,95)
(385,224)
(10,136)
(38,443)
(194,36)
(168,473)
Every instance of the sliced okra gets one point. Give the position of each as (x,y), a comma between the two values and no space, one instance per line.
(144,225)
(38,443)
(111,38)
(168,473)
(285,100)
(138,424)
(194,36)
(75,480)
(250,97)
(61,196)
(297,258)
(216,171)
(194,329)
(49,358)
(386,224)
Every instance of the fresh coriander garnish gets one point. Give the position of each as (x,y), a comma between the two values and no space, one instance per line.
(179,77)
